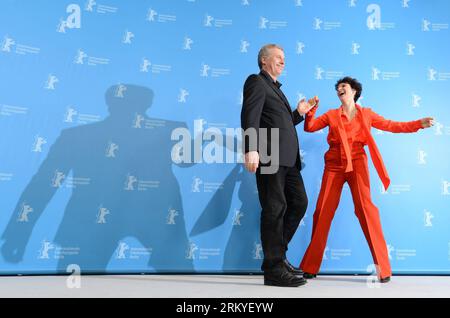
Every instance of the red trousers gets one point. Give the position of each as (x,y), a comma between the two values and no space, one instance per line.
(332,183)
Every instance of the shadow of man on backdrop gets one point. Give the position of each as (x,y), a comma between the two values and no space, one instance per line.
(129,191)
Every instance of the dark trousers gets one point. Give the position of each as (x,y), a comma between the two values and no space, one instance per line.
(283,200)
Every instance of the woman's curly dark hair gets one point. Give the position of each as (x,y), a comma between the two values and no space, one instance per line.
(353,83)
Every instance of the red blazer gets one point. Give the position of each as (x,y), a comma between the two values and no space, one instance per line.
(332,118)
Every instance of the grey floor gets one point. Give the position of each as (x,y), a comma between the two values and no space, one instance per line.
(218,286)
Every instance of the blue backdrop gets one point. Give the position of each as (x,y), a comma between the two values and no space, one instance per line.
(91,92)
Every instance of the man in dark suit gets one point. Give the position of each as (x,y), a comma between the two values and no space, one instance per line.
(281,191)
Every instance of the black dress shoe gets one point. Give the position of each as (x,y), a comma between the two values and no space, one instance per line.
(283,278)
(291,268)
(309,275)
(385,280)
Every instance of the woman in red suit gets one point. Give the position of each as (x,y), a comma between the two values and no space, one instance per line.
(346,161)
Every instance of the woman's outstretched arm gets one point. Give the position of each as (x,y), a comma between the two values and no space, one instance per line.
(382,123)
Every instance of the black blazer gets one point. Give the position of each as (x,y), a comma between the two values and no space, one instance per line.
(265,106)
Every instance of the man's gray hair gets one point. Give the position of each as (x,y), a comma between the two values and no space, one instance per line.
(265,52)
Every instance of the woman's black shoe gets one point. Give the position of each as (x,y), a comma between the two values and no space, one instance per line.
(309,276)
(385,280)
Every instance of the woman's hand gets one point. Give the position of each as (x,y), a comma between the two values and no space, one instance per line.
(427,122)
(304,107)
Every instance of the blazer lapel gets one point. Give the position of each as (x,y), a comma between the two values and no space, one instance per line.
(374,152)
(281,95)
(344,140)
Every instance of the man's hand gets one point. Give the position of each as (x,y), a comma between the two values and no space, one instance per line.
(427,122)
(252,161)
(303,107)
